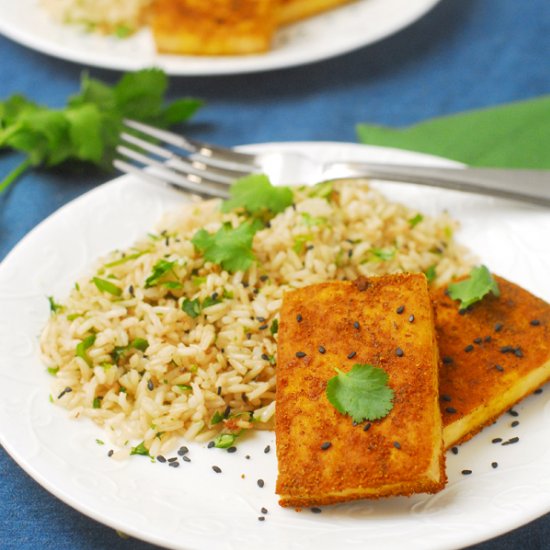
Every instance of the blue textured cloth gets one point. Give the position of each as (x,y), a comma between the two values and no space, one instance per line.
(462,55)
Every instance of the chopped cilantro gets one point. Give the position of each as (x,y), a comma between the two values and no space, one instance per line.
(54,306)
(140,449)
(229,247)
(160,270)
(322,190)
(100,442)
(383,254)
(363,393)
(184,387)
(415,220)
(274,328)
(53,370)
(106,286)
(223,441)
(198,281)
(311,221)
(82,348)
(300,242)
(217,417)
(97,402)
(191,307)
(127,258)
(257,196)
(140,343)
(478,284)
(431,273)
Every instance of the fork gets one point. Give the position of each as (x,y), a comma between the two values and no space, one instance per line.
(209,170)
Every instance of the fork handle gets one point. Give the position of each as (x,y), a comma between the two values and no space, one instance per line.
(531,186)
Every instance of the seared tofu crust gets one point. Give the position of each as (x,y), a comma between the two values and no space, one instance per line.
(492,355)
(217,27)
(387,322)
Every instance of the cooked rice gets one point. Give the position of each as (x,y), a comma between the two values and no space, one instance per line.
(106,16)
(194,368)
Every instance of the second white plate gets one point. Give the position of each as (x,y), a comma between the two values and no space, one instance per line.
(332,33)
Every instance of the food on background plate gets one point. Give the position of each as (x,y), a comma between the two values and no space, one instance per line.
(493,354)
(176,336)
(192,27)
(368,437)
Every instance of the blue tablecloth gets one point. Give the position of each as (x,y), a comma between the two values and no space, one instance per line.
(462,55)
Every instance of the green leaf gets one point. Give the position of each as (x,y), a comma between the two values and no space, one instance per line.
(224,441)
(191,307)
(160,270)
(383,254)
(97,402)
(274,328)
(430,273)
(217,417)
(363,393)
(514,135)
(106,286)
(53,370)
(229,247)
(85,132)
(54,306)
(415,220)
(184,387)
(209,301)
(256,195)
(476,286)
(140,344)
(140,449)
(83,346)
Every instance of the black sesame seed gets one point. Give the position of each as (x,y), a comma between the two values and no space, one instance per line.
(399,352)
(454,450)
(511,441)
(448,360)
(316,510)
(260,483)
(110,453)
(217,469)
(326,445)
(518,352)
(310,247)
(232,449)
(265,356)
(174,464)
(183,450)
(411,318)
(397,445)
(538,391)
(468,348)
(150,385)
(463,311)
(366,427)
(322,349)
(210,444)
(227,412)
(400,310)
(248,335)
(264,278)
(131,290)
(299,317)
(478,340)
(507,349)
(494,464)
(466,472)
(300,354)
(173,459)
(245,284)
(450,410)
(186,458)
(500,368)
(219,390)
(247,457)
(66,390)
(514,423)
(356,325)
(446,398)
(498,327)
(267,449)
(512,412)
(487,338)
(263,510)
(263,327)
(352,354)
(161,459)
(534,322)
(214,295)
(261,319)
(261,518)
(496,440)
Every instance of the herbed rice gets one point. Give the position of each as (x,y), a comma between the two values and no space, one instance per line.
(105,16)
(190,370)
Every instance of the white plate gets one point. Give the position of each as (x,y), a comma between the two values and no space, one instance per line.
(327,35)
(192,507)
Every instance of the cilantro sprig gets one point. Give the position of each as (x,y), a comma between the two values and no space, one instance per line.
(362,393)
(474,288)
(87,128)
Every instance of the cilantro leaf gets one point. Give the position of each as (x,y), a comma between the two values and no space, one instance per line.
(161,269)
(140,449)
(87,129)
(256,195)
(191,307)
(230,247)
(478,284)
(106,286)
(83,346)
(362,393)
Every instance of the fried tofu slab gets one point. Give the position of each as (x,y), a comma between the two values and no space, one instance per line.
(492,355)
(386,322)
(217,27)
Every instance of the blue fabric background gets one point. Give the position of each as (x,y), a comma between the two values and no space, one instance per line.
(464,54)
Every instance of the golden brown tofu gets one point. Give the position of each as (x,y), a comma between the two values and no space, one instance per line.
(493,355)
(386,322)
(291,11)
(217,27)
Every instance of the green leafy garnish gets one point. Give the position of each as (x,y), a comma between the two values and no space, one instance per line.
(184,387)
(87,128)
(383,254)
(140,343)
(230,247)
(415,220)
(140,449)
(430,273)
(97,402)
(311,221)
(191,307)
(54,306)
(127,258)
(363,393)
(100,442)
(161,269)
(82,348)
(322,190)
(223,441)
(478,284)
(257,196)
(209,301)
(53,370)
(217,417)
(274,328)
(106,286)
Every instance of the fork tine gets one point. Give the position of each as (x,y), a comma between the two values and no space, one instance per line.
(163,174)
(209,154)
(192,166)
